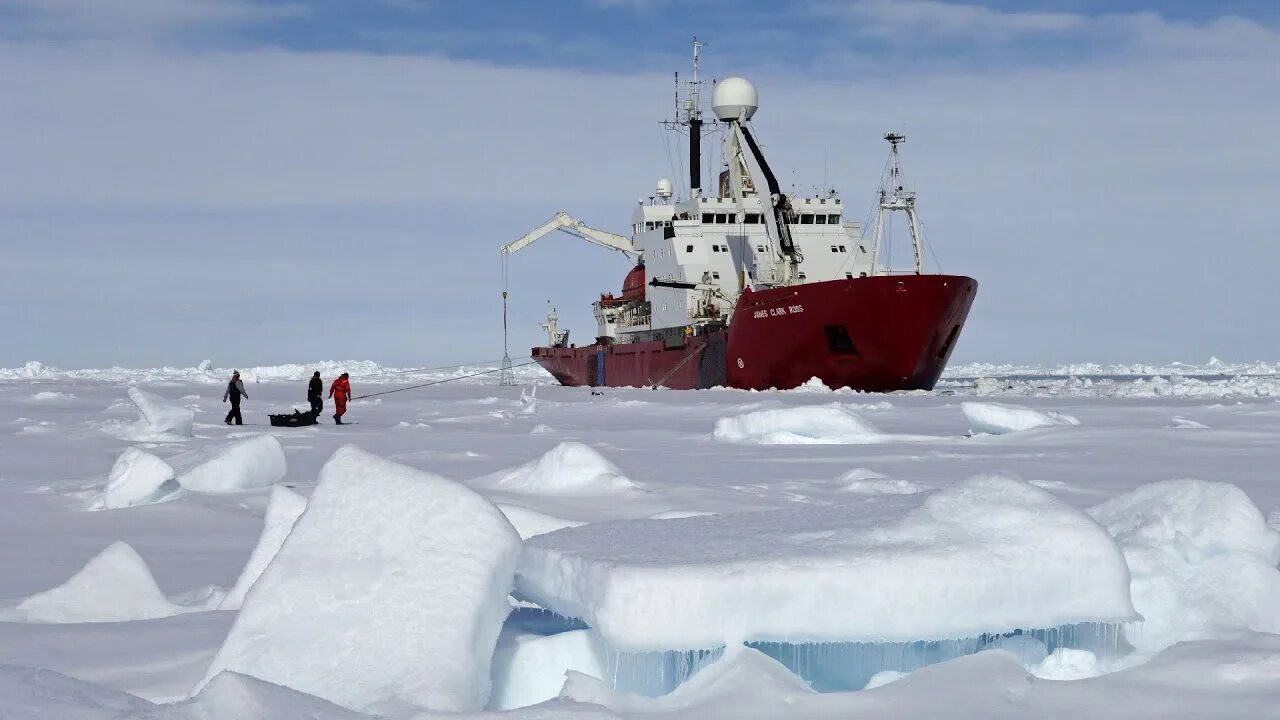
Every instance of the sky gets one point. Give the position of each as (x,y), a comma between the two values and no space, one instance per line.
(265,182)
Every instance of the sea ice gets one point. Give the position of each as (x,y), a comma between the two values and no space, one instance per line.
(998,419)
(115,586)
(389,592)
(989,554)
(569,468)
(529,522)
(250,464)
(807,425)
(1181,423)
(35,694)
(232,696)
(529,668)
(138,478)
(869,482)
(160,419)
(283,510)
(1068,664)
(1203,560)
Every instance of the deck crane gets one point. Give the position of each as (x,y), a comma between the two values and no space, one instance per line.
(568,223)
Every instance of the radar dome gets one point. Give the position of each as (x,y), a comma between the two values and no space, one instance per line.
(734,96)
(664,188)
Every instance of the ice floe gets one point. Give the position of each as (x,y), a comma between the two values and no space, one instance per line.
(998,419)
(253,463)
(283,510)
(159,419)
(1203,560)
(990,554)
(389,592)
(138,478)
(570,468)
(115,586)
(808,425)
(869,482)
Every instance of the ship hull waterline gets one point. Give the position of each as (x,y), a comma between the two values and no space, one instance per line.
(878,334)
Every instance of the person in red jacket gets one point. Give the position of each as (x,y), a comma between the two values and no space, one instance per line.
(340,391)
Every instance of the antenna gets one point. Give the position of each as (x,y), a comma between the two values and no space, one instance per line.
(507,377)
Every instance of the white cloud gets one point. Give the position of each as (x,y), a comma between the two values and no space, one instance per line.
(133,19)
(908,18)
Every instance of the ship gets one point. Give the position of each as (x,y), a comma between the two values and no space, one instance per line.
(746,286)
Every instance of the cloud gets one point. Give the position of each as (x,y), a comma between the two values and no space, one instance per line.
(132,20)
(932,17)
(158,201)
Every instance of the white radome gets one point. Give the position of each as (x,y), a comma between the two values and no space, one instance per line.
(664,188)
(734,96)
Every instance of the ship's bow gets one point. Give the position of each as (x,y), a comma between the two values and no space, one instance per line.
(876,334)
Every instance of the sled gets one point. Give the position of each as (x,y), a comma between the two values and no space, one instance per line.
(297,419)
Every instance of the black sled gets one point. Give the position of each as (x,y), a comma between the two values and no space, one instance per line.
(297,419)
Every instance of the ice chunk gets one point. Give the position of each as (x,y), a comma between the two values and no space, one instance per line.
(138,478)
(809,425)
(115,586)
(250,464)
(869,482)
(882,678)
(1068,664)
(989,554)
(160,419)
(998,419)
(530,668)
(32,694)
(569,468)
(283,510)
(741,678)
(1203,560)
(48,395)
(529,522)
(240,697)
(1181,423)
(390,591)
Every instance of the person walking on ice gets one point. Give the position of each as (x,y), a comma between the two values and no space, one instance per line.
(315,394)
(235,391)
(340,391)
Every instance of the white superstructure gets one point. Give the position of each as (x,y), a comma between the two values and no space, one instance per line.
(696,254)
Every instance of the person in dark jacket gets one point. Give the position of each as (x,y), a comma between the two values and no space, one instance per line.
(315,394)
(235,391)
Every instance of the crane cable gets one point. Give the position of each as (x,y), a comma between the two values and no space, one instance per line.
(439,382)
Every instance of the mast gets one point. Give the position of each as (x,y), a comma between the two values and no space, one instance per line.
(894,196)
(689,115)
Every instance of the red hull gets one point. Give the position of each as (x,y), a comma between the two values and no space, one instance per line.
(874,334)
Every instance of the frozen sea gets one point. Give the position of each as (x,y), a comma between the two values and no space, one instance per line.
(1100,443)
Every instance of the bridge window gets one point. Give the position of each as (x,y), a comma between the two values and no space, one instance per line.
(722,218)
(708,218)
(752,219)
(806,219)
(833,219)
(820,219)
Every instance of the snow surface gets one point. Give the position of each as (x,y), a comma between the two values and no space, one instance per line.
(160,420)
(990,554)
(283,510)
(53,460)
(530,668)
(1203,560)
(250,464)
(390,591)
(138,478)
(997,419)
(829,425)
(115,586)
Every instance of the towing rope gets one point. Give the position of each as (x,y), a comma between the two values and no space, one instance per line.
(438,382)
(679,365)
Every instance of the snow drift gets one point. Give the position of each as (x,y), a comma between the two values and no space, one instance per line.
(159,420)
(998,419)
(1203,560)
(569,468)
(138,478)
(389,592)
(115,586)
(810,425)
(990,554)
(283,510)
(249,464)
